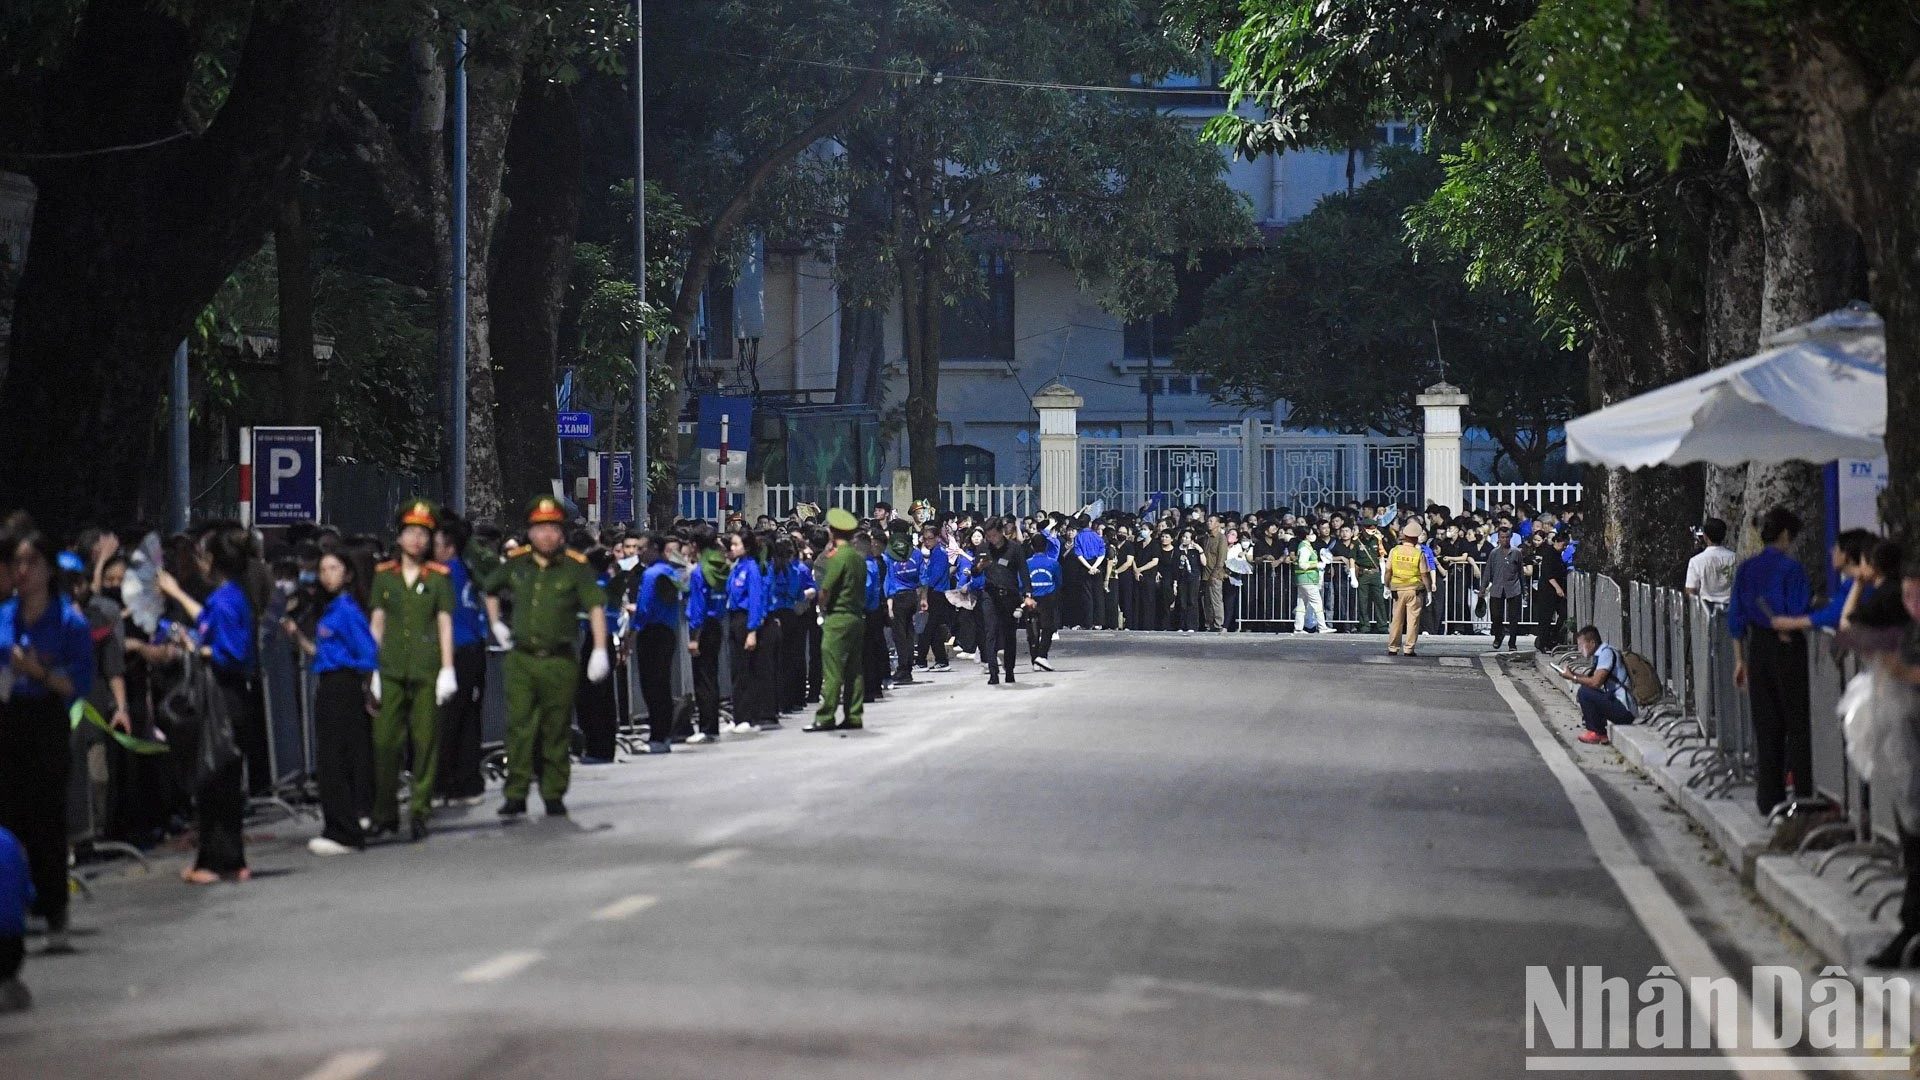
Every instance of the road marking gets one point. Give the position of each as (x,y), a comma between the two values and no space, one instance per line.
(504,966)
(625,908)
(348,1065)
(1455,661)
(1682,946)
(714,860)
(1142,985)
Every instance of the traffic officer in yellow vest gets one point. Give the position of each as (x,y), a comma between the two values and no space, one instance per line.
(412,619)
(843,614)
(552,587)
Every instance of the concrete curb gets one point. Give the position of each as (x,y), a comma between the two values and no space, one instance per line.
(1821,907)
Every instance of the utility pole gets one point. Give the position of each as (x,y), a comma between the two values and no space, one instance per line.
(642,474)
(182,470)
(457,483)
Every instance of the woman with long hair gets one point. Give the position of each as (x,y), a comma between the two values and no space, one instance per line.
(46,662)
(228,642)
(344,656)
(754,638)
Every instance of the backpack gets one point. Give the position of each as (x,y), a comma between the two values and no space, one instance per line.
(1642,681)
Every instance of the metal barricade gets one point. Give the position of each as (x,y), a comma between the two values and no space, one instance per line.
(1266,599)
(1609,610)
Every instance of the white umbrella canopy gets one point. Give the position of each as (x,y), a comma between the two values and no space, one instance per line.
(1817,393)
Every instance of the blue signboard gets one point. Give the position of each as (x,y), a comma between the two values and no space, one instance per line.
(285,485)
(616,479)
(739,414)
(576,425)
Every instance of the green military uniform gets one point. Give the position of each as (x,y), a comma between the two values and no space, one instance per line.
(543,667)
(843,603)
(409,663)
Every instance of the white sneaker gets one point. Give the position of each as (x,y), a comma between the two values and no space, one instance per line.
(699,737)
(320,845)
(1041,663)
(965,656)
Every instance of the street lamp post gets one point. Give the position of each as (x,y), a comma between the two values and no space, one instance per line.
(642,474)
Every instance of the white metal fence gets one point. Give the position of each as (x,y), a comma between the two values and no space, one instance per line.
(1248,468)
(993,500)
(1538,496)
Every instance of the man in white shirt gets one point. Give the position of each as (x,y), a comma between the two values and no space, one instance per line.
(1710,573)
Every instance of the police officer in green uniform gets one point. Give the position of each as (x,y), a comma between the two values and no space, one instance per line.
(552,587)
(843,610)
(412,619)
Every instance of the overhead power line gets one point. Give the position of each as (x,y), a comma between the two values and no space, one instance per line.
(978,80)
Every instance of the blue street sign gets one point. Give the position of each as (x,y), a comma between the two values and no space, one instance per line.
(576,425)
(286,475)
(616,477)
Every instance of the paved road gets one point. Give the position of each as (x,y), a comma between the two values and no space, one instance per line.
(1174,857)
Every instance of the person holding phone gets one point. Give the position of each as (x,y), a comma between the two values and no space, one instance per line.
(1604,696)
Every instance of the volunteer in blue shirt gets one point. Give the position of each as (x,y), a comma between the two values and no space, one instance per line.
(227,639)
(903,597)
(344,656)
(706,627)
(936,577)
(459,778)
(46,662)
(1090,553)
(877,667)
(1770,591)
(16,896)
(749,628)
(1043,570)
(657,609)
(787,582)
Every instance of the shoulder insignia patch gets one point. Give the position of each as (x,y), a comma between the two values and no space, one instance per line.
(387,567)
(437,568)
(576,556)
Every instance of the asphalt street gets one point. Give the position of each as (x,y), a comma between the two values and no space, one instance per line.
(1176,856)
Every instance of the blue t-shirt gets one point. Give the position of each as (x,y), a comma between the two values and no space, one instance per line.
(936,568)
(1829,617)
(903,575)
(1043,570)
(469,610)
(344,640)
(657,600)
(1088,545)
(1771,583)
(747,591)
(61,638)
(226,628)
(16,887)
(876,582)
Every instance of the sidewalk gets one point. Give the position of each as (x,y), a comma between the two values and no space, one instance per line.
(1844,905)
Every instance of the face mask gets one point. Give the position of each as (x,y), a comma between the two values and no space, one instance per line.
(308,577)
(629,562)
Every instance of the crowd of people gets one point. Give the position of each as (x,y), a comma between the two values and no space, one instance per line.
(162,642)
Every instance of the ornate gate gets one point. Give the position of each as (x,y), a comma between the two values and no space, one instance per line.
(1247,468)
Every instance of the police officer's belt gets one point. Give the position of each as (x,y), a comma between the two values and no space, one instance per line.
(540,653)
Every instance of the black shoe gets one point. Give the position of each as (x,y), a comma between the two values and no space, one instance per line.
(993,680)
(770,725)
(513,808)
(820,727)
(382,829)
(555,808)
(14,996)
(1009,678)
(418,828)
(1895,954)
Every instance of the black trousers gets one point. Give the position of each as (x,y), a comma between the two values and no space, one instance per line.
(459,776)
(875,657)
(755,671)
(1073,591)
(1042,624)
(1506,617)
(596,711)
(13,953)
(1910,858)
(1002,637)
(793,660)
(904,605)
(343,749)
(1782,730)
(1230,603)
(653,654)
(1123,600)
(1093,591)
(36,762)
(706,675)
(1190,602)
(933,637)
(221,799)
(1551,610)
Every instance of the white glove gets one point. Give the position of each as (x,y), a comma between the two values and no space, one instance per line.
(445,686)
(374,688)
(598,666)
(502,634)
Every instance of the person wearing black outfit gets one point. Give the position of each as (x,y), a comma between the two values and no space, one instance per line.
(1550,592)
(1770,661)
(1008,593)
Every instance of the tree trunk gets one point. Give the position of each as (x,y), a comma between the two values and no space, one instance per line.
(1645,515)
(535,249)
(299,369)
(1894,250)
(129,248)
(1810,254)
(920,302)
(1735,277)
